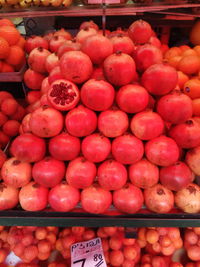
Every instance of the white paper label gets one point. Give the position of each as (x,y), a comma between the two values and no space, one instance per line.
(106,2)
(88,254)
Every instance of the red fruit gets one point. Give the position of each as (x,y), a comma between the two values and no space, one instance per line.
(4,139)
(19,114)
(63,95)
(155,41)
(98,74)
(7,67)
(46,122)
(63,197)
(162,151)
(147,125)
(122,43)
(193,253)
(80,173)
(11,128)
(3,118)
(113,122)
(9,106)
(33,79)
(176,176)
(147,55)
(97,95)
(128,199)
(140,31)
(186,135)
(62,32)
(97,47)
(116,258)
(2,158)
(48,172)
(112,175)
(193,160)
(64,147)
(16,173)
(33,197)
(119,69)
(55,43)
(158,261)
(96,147)
(127,149)
(95,199)
(4,95)
(69,45)
(132,98)
(37,59)
(159,199)
(51,62)
(81,121)
(169,107)
(45,86)
(88,24)
(34,42)
(9,197)
(28,147)
(84,33)
(143,174)
(72,65)
(25,123)
(166,79)
(188,199)
(55,75)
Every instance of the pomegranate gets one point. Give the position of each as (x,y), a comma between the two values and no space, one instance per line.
(9,197)
(37,59)
(119,68)
(147,55)
(33,79)
(98,74)
(25,123)
(169,107)
(193,160)
(48,35)
(143,174)
(127,149)
(118,31)
(45,86)
(128,199)
(63,95)
(162,151)
(62,32)
(122,43)
(187,134)
(155,41)
(72,64)
(88,24)
(34,42)
(95,199)
(28,147)
(70,45)
(113,122)
(81,121)
(64,147)
(2,158)
(140,31)
(176,177)
(48,172)
(46,122)
(80,173)
(97,47)
(159,199)
(132,98)
(166,79)
(55,43)
(96,147)
(97,95)
(33,197)
(188,199)
(33,96)
(112,175)
(63,197)
(84,33)
(16,173)
(55,75)
(51,62)
(147,125)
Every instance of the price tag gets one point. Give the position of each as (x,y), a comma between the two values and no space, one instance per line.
(88,254)
(105,2)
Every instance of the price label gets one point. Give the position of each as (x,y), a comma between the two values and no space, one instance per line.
(88,254)
(105,1)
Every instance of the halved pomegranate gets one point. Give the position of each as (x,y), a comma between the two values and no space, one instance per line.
(63,94)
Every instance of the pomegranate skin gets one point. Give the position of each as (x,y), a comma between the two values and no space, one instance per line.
(33,79)
(83,34)
(122,43)
(193,159)
(69,45)
(140,31)
(35,41)
(37,59)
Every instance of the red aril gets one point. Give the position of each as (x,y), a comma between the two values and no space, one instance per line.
(128,199)
(193,160)
(64,147)
(147,125)
(37,59)
(166,79)
(9,197)
(113,122)
(96,147)
(84,33)
(143,174)
(81,121)
(55,43)
(159,199)
(16,173)
(95,199)
(33,197)
(34,42)
(63,95)
(44,86)
(69,45)
(51,62)
(127,149)
(55,75)
(72,64)
(140,31)
(63,197)
(132,98)
(112,175)
(88,24)
(62,32)
(28,147)
(33,79)
(48,172)
(80,173)
(119,69)
(162,151)
(97,95)
(122,43)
